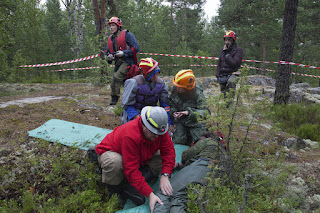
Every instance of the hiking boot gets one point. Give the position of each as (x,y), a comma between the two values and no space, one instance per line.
(92,155)
(117,190)
(114,100)
(131,193)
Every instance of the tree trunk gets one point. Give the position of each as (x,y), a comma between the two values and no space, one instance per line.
(286,52)
(80,26)
(96,16)
(67,4)
(76,28)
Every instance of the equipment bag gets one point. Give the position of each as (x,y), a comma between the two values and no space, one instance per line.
(133,70)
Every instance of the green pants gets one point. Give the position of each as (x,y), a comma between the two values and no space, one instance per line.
(178,201)
(231,84)
(117,80)
(187,135)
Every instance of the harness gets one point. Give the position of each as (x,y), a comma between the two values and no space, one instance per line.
(145,96)
(119,44)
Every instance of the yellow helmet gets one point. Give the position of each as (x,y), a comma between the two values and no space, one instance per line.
(185,79)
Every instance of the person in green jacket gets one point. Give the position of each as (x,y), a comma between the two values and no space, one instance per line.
(186,101)
(207,151)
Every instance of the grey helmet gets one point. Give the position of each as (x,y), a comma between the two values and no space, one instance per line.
(155,119)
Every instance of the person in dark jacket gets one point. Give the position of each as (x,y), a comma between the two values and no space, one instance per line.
(229,62)
(122,48)
(134,150)
(186,103)
(143,90)
(208,150)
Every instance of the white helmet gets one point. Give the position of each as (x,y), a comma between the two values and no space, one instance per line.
(155,119)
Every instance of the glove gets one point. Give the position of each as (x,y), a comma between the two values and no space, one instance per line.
(110,57)
(119,53)
(102,55)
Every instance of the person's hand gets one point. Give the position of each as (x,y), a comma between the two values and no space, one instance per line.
(153,199)
(119,53)
(180,114)
(225,47)
(171,128)
(165,185)
(110,57)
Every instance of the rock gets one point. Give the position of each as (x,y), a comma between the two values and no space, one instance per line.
(296,96)
(300,85)
(311,144)
(261,80)
(314,90)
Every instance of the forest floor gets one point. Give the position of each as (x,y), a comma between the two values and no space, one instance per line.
(89,104)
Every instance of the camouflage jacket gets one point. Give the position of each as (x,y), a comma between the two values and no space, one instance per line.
(208,148)
(194,102)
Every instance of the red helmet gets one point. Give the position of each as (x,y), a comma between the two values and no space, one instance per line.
(230,34)
(147,65)
(115,20)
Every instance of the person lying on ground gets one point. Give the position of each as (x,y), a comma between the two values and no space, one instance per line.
(206,151)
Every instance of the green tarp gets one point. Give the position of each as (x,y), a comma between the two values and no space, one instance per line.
(84,136)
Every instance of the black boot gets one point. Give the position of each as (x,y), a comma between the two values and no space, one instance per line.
(129,192)
(114,99)
(117,190)
(93,156)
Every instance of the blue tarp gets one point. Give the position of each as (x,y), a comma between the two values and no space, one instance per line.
(84,136)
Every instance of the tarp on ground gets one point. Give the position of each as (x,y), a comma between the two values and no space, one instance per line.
(69,133)
(84,136)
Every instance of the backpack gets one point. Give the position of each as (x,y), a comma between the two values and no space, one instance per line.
(133,70)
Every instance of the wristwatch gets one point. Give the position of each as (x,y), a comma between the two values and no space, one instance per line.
(166,174)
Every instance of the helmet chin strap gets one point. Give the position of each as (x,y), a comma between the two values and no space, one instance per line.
(118,28)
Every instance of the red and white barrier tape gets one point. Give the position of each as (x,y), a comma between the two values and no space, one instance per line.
(63,62)
(83,68)
(183,56)
(215,58)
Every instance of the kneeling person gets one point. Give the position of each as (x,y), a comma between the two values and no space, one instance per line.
(135,148)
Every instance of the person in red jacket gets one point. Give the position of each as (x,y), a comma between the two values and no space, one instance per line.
(135,150)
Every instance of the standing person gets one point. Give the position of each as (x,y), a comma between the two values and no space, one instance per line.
(186,101)
(207,151)
(137,151)
(122,48)
(229,62)
(143,90)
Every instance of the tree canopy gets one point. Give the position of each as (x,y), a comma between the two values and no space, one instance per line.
(31,33)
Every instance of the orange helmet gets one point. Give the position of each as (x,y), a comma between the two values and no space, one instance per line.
(147,65)
(115,20)
(230,34)
(185,79)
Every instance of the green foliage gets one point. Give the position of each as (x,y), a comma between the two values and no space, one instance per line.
(299,119)
(118,109)
(53,178)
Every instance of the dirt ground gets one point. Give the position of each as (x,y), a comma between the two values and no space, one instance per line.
(80,103)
